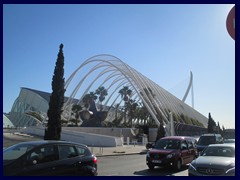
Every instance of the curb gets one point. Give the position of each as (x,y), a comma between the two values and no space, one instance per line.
(120,154)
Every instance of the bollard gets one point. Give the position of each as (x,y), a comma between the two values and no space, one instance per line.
(134,142)
(100,150)
(127,140)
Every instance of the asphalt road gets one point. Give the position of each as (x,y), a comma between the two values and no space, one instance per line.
(132,165)
(10,139)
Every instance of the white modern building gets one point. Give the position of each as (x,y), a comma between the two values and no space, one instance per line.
(7,123)
(113,74)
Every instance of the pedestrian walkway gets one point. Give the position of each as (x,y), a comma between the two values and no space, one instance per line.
(119,150)
(13,138)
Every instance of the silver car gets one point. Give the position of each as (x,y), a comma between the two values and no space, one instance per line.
(214,160)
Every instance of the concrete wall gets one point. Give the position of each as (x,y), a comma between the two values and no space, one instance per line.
(117,132)
(73,135)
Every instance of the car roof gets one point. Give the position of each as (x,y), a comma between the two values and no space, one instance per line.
(222,145)
(211,135)
(42,142)
(178,137)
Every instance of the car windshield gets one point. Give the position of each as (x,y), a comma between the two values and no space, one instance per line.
(14,152)
(219,151)
(167,144)
(206,140)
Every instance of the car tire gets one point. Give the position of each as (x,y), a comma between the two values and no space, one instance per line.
(150,166)
(178,165)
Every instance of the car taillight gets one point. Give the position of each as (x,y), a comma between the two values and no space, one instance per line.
(95,160)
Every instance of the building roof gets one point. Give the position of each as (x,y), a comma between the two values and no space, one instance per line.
(46,95)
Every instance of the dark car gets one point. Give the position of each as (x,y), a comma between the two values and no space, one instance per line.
(207,139)
(48,158)
(214,160)
(173,151)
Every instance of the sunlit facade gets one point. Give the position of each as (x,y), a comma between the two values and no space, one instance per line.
(7,123)
(29,100)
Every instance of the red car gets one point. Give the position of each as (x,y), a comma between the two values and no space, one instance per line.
(173,151)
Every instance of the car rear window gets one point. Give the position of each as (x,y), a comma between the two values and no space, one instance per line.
(206,140)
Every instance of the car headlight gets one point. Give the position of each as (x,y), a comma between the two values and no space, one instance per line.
(148,154)
(191,167)
(170,155)
(231,171)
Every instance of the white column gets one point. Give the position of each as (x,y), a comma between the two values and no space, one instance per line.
(172,125)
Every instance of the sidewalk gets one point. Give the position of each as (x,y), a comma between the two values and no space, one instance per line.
(119,150)
(13,138)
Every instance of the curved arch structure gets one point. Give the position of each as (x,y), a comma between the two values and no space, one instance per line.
(189,86)
(112,73)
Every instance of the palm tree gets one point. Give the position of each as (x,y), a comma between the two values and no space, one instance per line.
(102,92)
(125,93)
(76,109)
(132,108)
(88,98)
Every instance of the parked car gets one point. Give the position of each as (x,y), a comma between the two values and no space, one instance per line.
(215,160)
(48,158)
(173,151)
(207,139)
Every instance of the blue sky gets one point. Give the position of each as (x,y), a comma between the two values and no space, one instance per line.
(163,42)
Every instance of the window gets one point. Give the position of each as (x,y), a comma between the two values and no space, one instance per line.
(190,145)
(43,154)
(16,151)
(206,140)
(83,151)
(184,145)
(66,151)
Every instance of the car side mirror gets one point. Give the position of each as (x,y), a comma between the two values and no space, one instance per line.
(200,153)
(149,145)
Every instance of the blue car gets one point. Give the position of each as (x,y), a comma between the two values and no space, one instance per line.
(207,139)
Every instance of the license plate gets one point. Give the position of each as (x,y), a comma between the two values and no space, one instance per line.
(157,161)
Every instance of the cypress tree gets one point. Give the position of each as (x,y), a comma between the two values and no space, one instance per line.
(53,129)
(211,124)
(161,132)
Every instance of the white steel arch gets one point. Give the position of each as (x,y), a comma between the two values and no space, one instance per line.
(112,73)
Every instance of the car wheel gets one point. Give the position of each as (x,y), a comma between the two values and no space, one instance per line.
(178,165)
(150,166)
